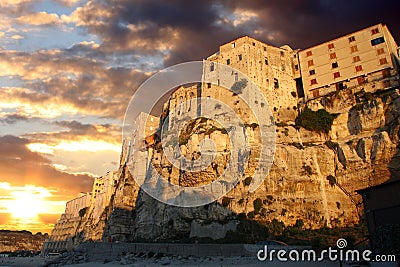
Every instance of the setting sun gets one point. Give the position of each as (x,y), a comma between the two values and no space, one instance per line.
(26,205)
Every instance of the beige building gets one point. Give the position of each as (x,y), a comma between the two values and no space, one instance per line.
(274,70)
(365,60)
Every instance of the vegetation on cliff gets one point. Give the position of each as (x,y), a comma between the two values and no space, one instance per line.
(316,121)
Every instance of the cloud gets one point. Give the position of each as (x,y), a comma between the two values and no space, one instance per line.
(181,31)
(20,166)
(91,149)
(58,82)
(40,18)
(12,118)
(17,37)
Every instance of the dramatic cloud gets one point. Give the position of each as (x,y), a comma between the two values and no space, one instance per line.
(21,166)
(182,30)
(81,85)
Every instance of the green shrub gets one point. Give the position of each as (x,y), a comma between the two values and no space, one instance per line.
(317,121)
(251,215)
(257,204)
(299,223)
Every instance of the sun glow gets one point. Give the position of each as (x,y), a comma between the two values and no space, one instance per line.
(25,203)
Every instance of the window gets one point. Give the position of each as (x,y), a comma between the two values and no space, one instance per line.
(358,68)
(386,73)
(208,85)
(313,81)
(375,31)
(265,49)
(315,93)
(276,83)
(310,62)
(282,54)
(312,72)
(296,67)
(332,55)
(356,58)
(335,65)
(336,75)
(354,48)
(380,51)
(240,57)
(331,46)
(309,53)
(383,61)
(361,80)
(228,61)
(212,66)
(352,39)
(233,45)
(266,61)
(377,41)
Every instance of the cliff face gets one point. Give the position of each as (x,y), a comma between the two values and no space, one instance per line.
(11,241)
(313,178)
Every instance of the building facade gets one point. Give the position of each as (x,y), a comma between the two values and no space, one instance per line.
(367,59)
(274,70)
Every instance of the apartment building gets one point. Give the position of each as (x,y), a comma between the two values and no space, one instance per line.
(366,60)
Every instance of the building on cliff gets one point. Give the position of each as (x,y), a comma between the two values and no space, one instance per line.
(362,142)
(367,59)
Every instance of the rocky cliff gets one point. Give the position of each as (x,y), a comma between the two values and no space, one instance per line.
(11,241)
(339,143)
(313,178)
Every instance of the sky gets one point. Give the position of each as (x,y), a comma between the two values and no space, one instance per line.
(69,67)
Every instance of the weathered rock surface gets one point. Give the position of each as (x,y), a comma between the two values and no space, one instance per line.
(359,151)
(313,177)
(11,241)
